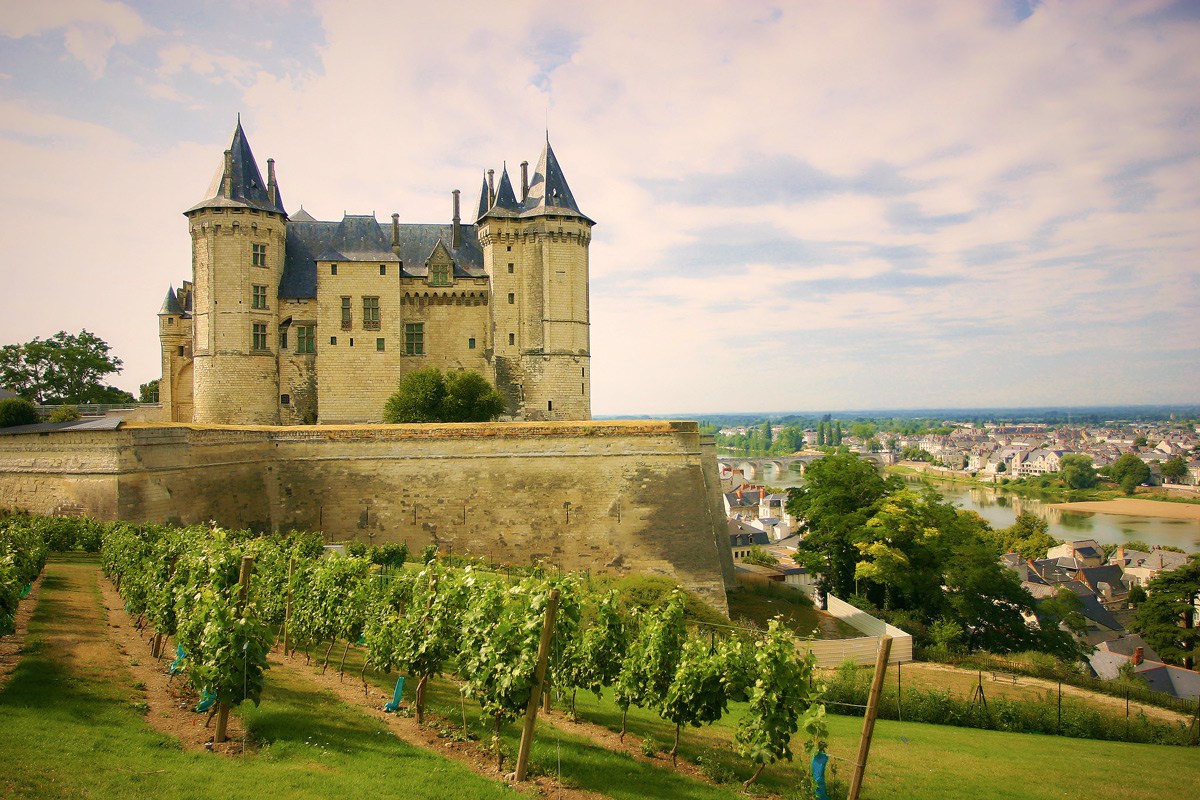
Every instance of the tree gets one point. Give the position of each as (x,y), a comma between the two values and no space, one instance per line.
(65,368)
(1129,472)
(1076,471)
(1028,536)
(1175,469)
(838,497)
(17,411)
(148,392)
(426,395)
(1166,619)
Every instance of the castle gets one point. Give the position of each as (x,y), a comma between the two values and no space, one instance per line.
(291,320)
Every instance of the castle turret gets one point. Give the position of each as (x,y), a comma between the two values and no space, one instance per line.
(238,236)
(175,337)
(536,253)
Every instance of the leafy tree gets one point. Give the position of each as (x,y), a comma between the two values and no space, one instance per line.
(17,411)
(1027,536)
(761,557)
(148,392)
(1167,617)
(1129,472)
(426,395)
(1076,471)
(1174,468)
(65,368)
(838,497)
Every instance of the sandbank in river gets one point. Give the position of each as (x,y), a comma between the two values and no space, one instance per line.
(1135,507)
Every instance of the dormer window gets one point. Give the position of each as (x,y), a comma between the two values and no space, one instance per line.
(439,275)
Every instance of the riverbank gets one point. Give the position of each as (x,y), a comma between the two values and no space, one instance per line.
(1134,507)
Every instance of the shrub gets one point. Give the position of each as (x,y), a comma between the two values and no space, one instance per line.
(65,414)
(17,411)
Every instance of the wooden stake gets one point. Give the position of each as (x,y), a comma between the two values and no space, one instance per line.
(243,591)
(864,744)
(538,677)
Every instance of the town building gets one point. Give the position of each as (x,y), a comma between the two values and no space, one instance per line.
(287,319)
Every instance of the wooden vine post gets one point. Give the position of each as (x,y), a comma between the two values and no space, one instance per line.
(539,676)
(864,744)
(243,591)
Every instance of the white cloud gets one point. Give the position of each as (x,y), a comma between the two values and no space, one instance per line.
(90,28)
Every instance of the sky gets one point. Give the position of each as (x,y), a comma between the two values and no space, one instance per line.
(800,206)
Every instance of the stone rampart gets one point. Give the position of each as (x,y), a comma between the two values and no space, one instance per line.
(610,497)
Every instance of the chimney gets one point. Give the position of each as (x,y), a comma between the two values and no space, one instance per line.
(1139,654)
(272,190)
(524,180)
(227,178)
(396,234)
(491,188)
(456,234)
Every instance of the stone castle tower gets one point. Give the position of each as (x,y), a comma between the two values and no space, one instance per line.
(288,319)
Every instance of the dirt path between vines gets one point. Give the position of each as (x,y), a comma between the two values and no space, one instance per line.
(170,701)
(12,645)
(470,754)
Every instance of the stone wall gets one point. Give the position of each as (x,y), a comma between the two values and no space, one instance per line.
(610,497)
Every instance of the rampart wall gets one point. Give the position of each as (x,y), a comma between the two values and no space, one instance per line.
(610,497)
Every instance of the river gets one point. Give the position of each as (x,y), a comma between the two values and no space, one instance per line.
(1000,509)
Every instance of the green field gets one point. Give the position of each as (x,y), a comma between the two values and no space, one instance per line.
(72,725)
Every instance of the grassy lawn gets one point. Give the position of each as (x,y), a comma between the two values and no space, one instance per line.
(71,727)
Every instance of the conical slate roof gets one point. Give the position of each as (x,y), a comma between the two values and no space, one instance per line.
(247,189)
(171,304)
(548,193)
(548,189)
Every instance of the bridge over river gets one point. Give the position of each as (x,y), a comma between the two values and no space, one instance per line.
(754,468)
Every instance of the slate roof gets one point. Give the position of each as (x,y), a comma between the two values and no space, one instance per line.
(548,193)
(171,304)
(248,190)
(363,238)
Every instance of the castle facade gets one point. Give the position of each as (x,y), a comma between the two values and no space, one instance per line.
(288,319)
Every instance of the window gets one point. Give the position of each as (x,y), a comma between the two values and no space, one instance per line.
(414,338)
(439,275)
(383,269)
(371,313)
(258,255)
(510,268)
(258,296)
(285,399)
(333,269)
(170,320)
(346,319)
(509,248)
(379,345)
(549,405)
(333,340)
(512,339)
(306,339)
(181,350)
(259,336)
(283,339)
(512,298)
(470,344)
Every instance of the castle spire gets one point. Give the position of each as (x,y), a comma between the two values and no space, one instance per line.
(548,190)
(238,182)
